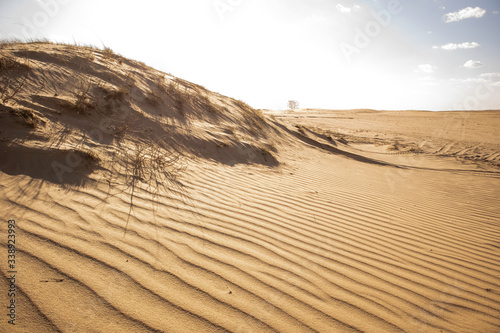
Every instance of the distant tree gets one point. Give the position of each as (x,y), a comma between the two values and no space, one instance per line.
(293,104)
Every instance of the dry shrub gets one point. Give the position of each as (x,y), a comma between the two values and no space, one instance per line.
(154,167)
(82,101)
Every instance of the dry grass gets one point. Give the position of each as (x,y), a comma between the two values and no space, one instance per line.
(14,40)
(28,118)
(207,104)
(88,53)
(179,96)
(108,53)
(9,88)
(108,98)
(243,106)
(82,98)
(255,118)
(185,93)
(196,88)
(153,167)
(10,81)
(156,93)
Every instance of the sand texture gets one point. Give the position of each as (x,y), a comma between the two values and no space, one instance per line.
(146,203)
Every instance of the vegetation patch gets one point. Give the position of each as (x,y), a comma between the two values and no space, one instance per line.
(28,117)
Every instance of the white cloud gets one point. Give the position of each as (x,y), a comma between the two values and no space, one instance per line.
(453,46)
(473,80)
(463,14)
(473,64)
(425,68)
(490,75)
(344,9)
(496,12)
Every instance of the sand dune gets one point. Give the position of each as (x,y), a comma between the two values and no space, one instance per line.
(315,220)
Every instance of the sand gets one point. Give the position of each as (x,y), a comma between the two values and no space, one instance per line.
(171,212)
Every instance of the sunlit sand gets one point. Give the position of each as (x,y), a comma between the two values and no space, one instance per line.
(144,202)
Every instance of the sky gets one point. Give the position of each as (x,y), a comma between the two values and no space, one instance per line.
(334,54)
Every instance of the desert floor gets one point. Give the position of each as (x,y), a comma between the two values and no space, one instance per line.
(373,221)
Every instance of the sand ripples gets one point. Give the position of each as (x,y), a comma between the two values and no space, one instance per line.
(310,249)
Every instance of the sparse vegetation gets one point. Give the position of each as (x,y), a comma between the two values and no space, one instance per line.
(79,84)
(208,105)
(150,164)
(10,84)
(28,117)
(156,93)
(9,88)
(179,96)
(108,53)
(89,53)
(254,118)
(189,85)
(81,95)
(243,106)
